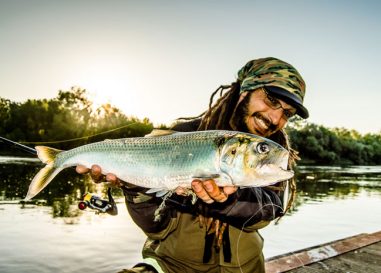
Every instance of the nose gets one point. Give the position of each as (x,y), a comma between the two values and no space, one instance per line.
(276,116)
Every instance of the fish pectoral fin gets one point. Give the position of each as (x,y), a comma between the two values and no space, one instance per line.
(160,132)
(161,207)
(206,176)
(159,191)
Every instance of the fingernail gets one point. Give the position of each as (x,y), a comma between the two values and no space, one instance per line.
(208,187)
(197,187)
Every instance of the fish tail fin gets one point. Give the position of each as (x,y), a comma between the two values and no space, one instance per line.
(47,155)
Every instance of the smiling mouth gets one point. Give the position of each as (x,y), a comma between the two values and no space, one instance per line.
(262,125)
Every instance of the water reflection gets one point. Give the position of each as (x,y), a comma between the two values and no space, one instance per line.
(314,184)
(62,195)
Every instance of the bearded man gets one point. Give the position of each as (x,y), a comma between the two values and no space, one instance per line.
(220,232)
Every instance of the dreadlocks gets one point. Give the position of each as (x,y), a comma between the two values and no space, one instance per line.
(219,113)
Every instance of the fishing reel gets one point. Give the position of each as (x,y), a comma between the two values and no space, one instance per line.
(100,205)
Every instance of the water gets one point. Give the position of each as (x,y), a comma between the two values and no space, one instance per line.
(333,203)
(51,235)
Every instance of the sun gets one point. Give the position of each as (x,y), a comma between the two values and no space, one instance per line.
(105,84)
(97,99)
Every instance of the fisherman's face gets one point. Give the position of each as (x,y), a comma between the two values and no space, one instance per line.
(254,114)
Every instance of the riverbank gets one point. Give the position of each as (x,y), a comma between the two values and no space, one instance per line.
(360,253)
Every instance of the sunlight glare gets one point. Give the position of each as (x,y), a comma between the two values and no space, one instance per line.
(107,82)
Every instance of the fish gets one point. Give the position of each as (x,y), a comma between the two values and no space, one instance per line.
(165,160)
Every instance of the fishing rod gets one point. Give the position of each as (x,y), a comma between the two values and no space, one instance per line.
(19,146)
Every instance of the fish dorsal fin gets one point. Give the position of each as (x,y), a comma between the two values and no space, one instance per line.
(160,132)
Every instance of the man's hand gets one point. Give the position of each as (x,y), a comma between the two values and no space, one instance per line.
(97,176)
(209,192)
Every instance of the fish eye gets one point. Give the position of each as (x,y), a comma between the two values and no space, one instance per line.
(263,148)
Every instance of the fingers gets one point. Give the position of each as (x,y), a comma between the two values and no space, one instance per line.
(209,192)
(113,179)
(214,191)
(229,189)
(180,191)
(198,188)
(97,176)
(95,172)
(81,169)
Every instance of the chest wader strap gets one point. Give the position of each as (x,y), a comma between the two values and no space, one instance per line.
(210,238)
(226,245)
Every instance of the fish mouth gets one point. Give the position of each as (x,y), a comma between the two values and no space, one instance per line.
(279,168)
(276,172)
(271,174)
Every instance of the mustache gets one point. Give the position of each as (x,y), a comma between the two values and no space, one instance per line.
(271,127)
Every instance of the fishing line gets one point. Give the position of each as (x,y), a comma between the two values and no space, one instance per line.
(34,152)
(19,146)
(243,226)
(78,138)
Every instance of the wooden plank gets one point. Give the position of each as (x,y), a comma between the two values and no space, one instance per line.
(321,252)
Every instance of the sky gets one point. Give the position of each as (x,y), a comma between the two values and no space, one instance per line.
(163,59)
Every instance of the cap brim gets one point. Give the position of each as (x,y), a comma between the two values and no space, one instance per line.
(288,98)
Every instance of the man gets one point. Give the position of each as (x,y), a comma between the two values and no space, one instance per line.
(219,232)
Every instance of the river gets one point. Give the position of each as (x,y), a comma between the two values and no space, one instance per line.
(50,234)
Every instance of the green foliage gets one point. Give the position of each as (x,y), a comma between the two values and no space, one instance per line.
(69,116)
(337,146)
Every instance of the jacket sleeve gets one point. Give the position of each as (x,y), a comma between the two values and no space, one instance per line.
(142,207)
(248,207)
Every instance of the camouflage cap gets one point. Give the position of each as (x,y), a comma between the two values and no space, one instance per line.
(278,77)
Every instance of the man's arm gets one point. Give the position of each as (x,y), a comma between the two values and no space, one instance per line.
(143,207)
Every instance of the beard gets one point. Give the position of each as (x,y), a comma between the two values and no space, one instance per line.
(241,114)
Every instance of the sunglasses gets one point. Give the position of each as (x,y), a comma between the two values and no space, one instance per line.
(274,103)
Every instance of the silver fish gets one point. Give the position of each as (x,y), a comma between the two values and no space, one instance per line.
(163,163)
